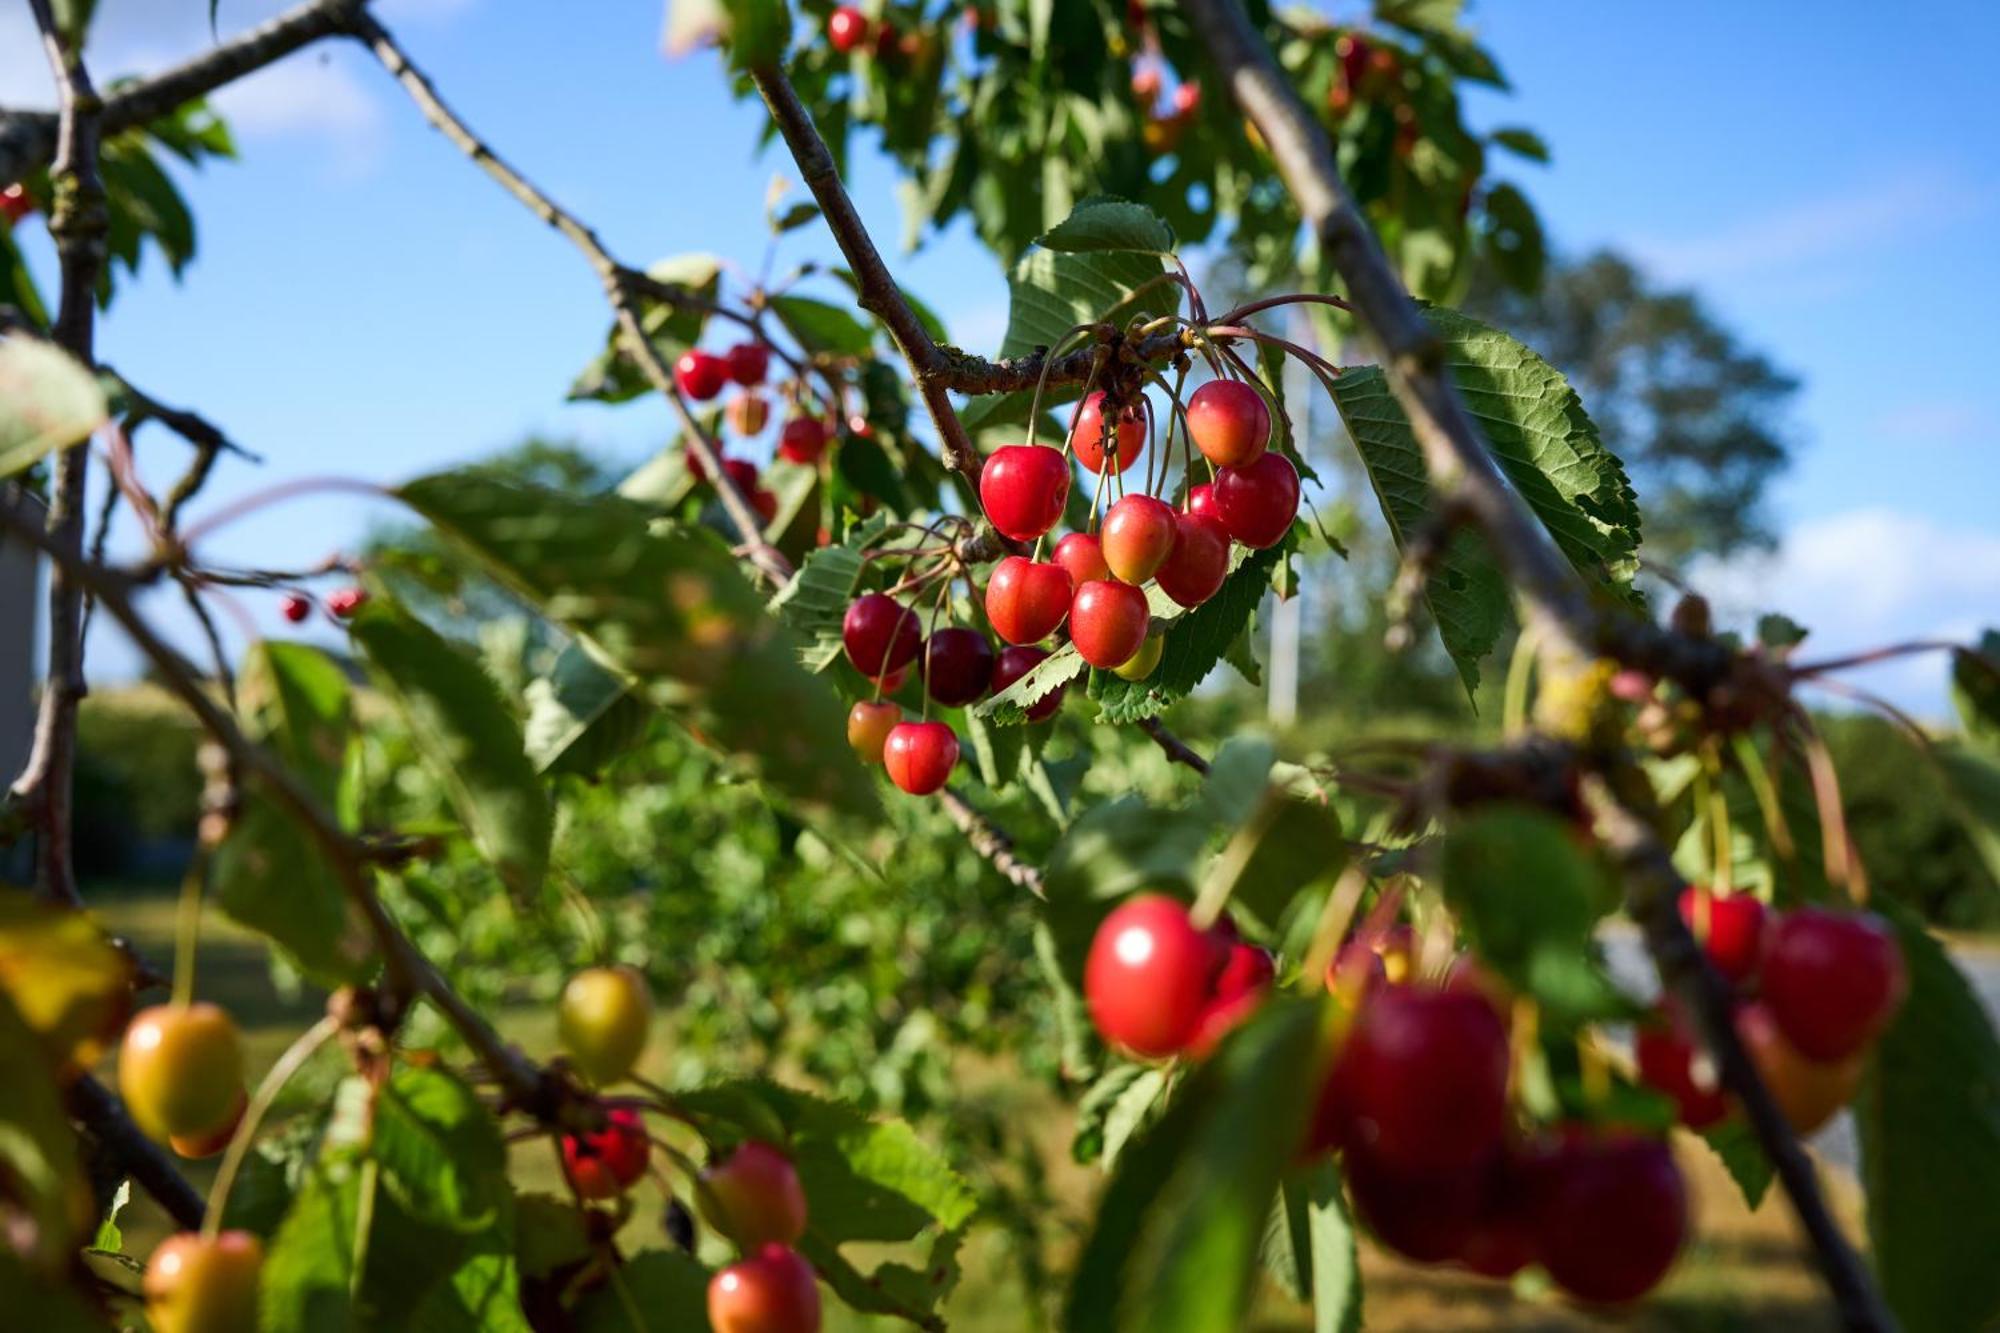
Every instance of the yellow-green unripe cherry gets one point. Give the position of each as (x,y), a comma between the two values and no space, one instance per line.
(180,1069)
(603,1019)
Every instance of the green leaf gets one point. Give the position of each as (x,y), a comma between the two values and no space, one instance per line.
(468,737)
(1285,846)
(1529,902)
(1238,776)
(1179,1228)
(581,716)
(1929,1120)
(1524,142)
(1050,292)
(821,328)
(1975,690)
(1195,643)
(48,401)
(671,608)
(671,328)
(440,1151)
(270,874)
(1309,1247)
(1543,441)
(1972,777)
(1735,1143)
(1780,632)
(668,1290)
(1113,849)
(109,1237)
(1104,223)
(815,602)
(308,1270)
(66,980)
(38,1149)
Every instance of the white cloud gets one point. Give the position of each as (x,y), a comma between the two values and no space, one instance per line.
(312,94)
(1866,578)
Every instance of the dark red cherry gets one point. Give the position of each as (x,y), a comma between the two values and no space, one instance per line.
(1108,622)
(700,374)
(1023,488)
(1423,1215)
(1424,1079)
(1201,500)
(1833,981)
(1146,979)
(920,756)
(880,634)
(16,203)
(1259,500)
(1199,562)
(742,474)
(1610,1216)
(1229,421)
(802,440)
(1730,928)
(747,363)
(604,1163)
(294,608)
(957,665)
(1502,1240)
(1027,599)
(1083,556)
(1671,1062)
(1014,663)
(1086,437)
(344,602)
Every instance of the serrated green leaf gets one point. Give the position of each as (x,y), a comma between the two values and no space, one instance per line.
(1051,292)
(109,1236)
(1972,776)
(1735,1143)
(1104,223)
(48,401)
(581,716)
(822,328)
(440,1151)
(1309,1247)
(468,737)
(814,603)
(1239,773)
(1546,445)
(663,481)
(1009,708)
(667,1288)
(1975,690)
(1929,1121)
(1195,643)
(1287,844)
(1130,1111)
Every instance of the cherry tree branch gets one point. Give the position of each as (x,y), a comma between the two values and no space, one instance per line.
(991,841)
(109,1127)
(1558,606)
(619,288)
(1177,749)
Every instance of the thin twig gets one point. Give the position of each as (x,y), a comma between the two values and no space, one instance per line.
(103,1117)
(1177,749)
(991,841)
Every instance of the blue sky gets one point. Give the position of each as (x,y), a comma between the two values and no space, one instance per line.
(368,305)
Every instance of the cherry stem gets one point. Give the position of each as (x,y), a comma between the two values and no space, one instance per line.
(1334,918)
(1237,315)
(286,490)
(1759,777)
(287,1065)
(1874,655)
(187,926)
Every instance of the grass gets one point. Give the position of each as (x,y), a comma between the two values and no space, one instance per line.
(1744,1271)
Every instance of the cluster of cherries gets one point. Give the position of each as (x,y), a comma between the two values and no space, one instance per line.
(803,439)
(1815,989)
(1414,1100)
(1163,129)
(849,30)
(341,603)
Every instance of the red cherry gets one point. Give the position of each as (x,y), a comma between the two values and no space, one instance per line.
(747,363)
(1108,622)
(1832,980)
(957,665)
(1086,437)
(1026,599)
(880,634)
(868,726)
(16,203)
(1668,1061)
(893,681)
(846,28)
(1230,422)
(742,474)
(1353,52)
(774,1292)
(603,1163)
(1428,1216)
(1014,663)
(294,608)
(1730,928)
(1233,996)
(1146,979)
(1610,1216)
(1807,1092)
(765,502)
(1186,98)
(700,374)
(1199,561)
(1083,556)
(1146,84)
(755,1197)
(1201,500)
(920,756)
(1258,501)
(1137,537)
(1502,1239)
(1423,1079)
(344,602)
(802,440)
(1023,488)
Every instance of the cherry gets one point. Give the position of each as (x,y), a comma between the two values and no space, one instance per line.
(199,1284)
(1807,1092)
(1353,52)
(920,756)
(754,1197)
(1186,98)
(868,727)
(1832,980)
(1146,84)
(1083,556)
(1259,500)
(294,608)
(957,665)
(1144,662)
(1086,437)
(1108,622)
(1146,979)
(747,413)
(196,1146)
(1137,537)
(604,1163)
(1014,663)
(1423,1078)
(1201,501)
(1670,1062)
(344,602)
(1233,996)
(1229,421)
(747,363)
(1429,1216)
(880,634)
(802,440)
(1610,1216)
(700,374)
(742,474)
(1502,1239)
(181,1069)
(1199,561)
(16,203)
(1023,488)
(603,1019)
(891,682)
(1730,928)
(1026,599)
(765,502)
(846,28)
(771,1292)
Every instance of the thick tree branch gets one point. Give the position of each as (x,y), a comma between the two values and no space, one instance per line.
(28,138)
(107,1126)
(1557,604)
(619,288)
